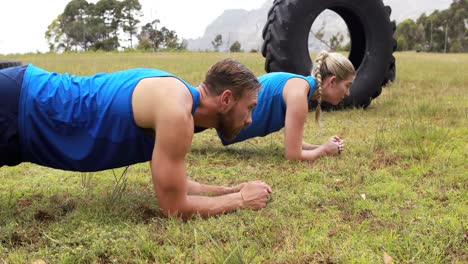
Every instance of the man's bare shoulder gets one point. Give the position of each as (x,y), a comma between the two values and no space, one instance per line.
(160,98)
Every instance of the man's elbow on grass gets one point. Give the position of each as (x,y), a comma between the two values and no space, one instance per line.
(173,203)
(293,155)
(177,211)
(169,212)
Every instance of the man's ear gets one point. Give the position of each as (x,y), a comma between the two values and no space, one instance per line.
(226,99)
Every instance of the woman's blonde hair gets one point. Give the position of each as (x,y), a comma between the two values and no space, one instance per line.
(330,64)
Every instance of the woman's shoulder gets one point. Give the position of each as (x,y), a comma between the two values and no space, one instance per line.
(272,75)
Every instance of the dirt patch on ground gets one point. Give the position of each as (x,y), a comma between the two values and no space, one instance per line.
(22,237)
(360,217)
(25,202)
(146,213)
(363,215)
(44,216)
(318,257)
(383,159)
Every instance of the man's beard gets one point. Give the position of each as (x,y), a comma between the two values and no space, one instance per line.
(224,124)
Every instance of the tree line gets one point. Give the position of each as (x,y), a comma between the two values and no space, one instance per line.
(114,24)
(218,41)
(107,25)
(441,31)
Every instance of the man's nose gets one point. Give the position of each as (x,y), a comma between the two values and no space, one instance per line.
(249,120)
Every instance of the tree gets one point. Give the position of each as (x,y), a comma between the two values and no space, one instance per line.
(73,23)
(149,34)
(412,33)
(446,28)
(88,26)
(456,47)
(336,41)
(164,38)
(105,17)
(56,38)
(182,44)
(131,10)
(346,47)
(402,43)
(319,34)
(235,47)
(144,44)
(217,42)
(167,38)
(84,26)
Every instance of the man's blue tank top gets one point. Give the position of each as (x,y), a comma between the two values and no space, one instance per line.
(84,123)
(270,113)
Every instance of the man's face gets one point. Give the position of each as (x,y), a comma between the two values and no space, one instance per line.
(229,124)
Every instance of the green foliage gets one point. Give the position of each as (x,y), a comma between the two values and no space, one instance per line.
(399,187)
(456,47)
(88,26)
(148,36)
(168,38)
(131,10)
(336,41)
(235,47)
(402,43)
(346,47)
(409,34)
(159,39)
(217,42)
(441,31)
(145,44)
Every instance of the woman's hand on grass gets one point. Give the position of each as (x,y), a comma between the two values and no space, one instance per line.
(333,146)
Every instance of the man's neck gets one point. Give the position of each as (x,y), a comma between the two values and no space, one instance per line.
(205,114)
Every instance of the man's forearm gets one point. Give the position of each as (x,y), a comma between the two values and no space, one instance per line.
(195,188)
(210,206)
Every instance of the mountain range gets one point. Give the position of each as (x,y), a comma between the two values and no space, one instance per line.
(246,26)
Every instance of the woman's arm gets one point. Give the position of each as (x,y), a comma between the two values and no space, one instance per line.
(295,96)
(307,146)
(340,141)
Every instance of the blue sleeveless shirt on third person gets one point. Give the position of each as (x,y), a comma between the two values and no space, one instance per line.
(270,113)
(84,123)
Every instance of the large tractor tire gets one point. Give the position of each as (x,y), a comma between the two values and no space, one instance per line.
(8,64)
(286,33)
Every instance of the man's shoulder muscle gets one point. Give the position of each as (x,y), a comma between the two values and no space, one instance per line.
(160,98)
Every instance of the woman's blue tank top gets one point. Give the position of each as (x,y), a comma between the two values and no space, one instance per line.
(270,113)
(84,123)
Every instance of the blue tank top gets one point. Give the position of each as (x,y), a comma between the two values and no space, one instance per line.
(84,123)
(270,113)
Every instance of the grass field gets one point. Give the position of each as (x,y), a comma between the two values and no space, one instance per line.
(398,191)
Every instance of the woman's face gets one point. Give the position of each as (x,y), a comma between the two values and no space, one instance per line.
(334,92)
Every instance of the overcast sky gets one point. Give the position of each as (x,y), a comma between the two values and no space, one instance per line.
(24,22)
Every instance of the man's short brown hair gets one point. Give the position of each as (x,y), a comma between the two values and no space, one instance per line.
(230,74)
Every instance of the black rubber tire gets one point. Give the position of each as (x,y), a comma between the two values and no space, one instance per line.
(285,45)
(8,64)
